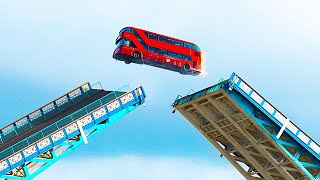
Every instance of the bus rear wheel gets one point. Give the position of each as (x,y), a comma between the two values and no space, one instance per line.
(186,67)
(137,55)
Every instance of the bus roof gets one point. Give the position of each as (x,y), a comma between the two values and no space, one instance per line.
(159,34)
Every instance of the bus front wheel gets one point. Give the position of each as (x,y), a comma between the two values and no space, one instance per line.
(137,55)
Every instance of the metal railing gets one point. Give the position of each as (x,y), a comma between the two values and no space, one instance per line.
(61,123)
(274,114)
(198,94)
(122,101)
(41,114)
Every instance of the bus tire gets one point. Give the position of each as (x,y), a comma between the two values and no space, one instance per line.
(186,67)
(137,55)
(127,61)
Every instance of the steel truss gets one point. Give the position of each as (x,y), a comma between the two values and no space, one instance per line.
(247,137)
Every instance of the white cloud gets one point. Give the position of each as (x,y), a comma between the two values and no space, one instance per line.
(133,167)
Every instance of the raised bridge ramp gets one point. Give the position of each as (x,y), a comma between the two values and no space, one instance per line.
(254,136)
(33,143)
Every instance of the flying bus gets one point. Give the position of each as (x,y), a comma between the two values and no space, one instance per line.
(145,47)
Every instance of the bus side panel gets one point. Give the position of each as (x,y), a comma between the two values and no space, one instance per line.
(164,59)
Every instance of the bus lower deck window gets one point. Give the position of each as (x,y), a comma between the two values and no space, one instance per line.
(172,54)
(188,58)
(162,52)
(152,49)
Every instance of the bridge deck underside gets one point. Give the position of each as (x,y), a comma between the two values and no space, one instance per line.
(240,139)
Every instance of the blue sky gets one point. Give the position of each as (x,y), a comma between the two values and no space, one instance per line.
(47,48)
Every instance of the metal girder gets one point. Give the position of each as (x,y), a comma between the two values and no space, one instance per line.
(238,136)
(235,161)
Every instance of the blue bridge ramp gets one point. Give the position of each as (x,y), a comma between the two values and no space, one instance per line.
(33,143)
(254,136)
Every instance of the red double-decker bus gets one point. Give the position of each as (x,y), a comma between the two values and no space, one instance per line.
(145,47)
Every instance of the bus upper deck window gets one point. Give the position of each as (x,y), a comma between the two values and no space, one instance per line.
(195,47)
(185,45)
(179,43)
(176,42)
(137,36)
(145,45)
(161,38)
(126,30)
(153,36)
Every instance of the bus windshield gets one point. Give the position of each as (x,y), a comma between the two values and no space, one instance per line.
(120,42)
(125,42)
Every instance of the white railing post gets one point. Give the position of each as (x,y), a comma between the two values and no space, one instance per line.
(285,124)
(84,137)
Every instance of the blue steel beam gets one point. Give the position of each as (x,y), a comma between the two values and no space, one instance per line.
(18,165)
(274,114)
(299,140)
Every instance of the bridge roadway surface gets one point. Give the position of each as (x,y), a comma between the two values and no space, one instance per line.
(95,95)
(61,127)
